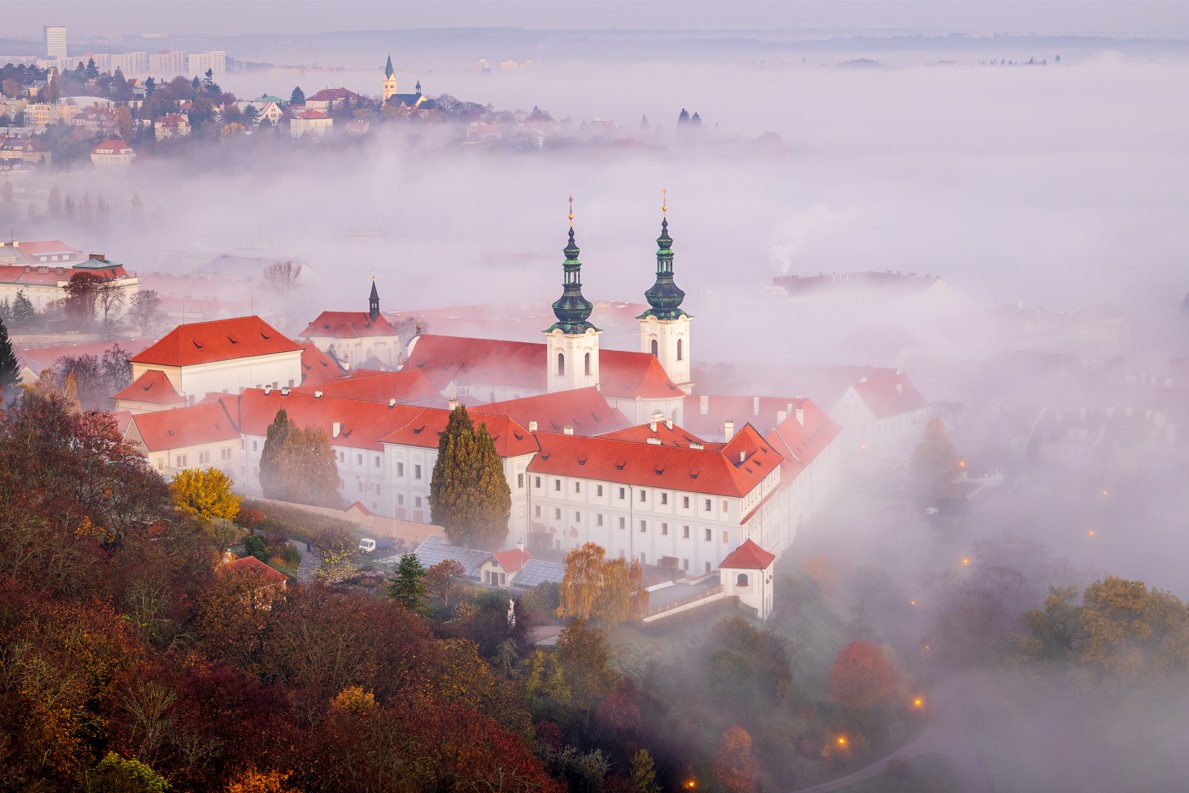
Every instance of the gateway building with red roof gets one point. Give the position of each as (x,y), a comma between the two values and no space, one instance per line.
(357,339)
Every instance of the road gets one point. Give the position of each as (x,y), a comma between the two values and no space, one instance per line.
(944,736)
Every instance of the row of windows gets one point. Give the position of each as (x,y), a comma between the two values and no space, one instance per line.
(707,504)
(204,458)
(707,534)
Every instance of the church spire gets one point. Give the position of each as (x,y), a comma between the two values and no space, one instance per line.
(572,309)
(373,302)
(664,296)
(388,70)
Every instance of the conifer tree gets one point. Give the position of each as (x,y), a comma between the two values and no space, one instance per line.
(270,479)
(468,494)
(407,586)
(9,369)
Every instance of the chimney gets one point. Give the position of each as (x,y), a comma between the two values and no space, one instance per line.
(742,456)
(728,430)
(267,390)
(453,404)
(532,426)
(392,402)
(99,257)
(318,394)
(781,417)
(284,390)
(703,405)
(335,428)
(568,429)
(669,423)
(800,414)
(755,406)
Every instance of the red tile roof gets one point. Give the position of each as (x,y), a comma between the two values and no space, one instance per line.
(219,340)
(748,556)
(348,325)
(251,566)
(332,94)
(716,469)
(666,434)
(312,114)
(180,428)
(111,147)
(513,559)
(361,424)
(511,439)
(317,368)
(634,374)
(38,359)
(446,359)
(802,443)
(406,387)
(152,387)
(584,409)
(54,273)
(890,395)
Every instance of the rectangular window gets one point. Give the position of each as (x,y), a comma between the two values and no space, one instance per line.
(685,565)
(400,499)
(361,487)
(557,514)
(537,482)
(417,502)
(622,523)
(377,461)
(416,471)
(599,490)
(359,459)
(253,445)
(643,497)
(622,494)
(342,457)
(577,517)
(707,535)
(708,567)
(226,454)
(664,529)
(204,458)
(400,469)
(707,505)
(520,481)
(181,461)
(598,520)
(724,506)
(725,538)
(685,532)
(643,526)
(536,512)
(685,502)
(664,499)
(556,485)
(503,577)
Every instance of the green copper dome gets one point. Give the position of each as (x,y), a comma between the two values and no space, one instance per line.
(572,309)
(664,296)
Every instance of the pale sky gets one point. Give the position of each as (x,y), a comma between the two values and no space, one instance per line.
(1169,18)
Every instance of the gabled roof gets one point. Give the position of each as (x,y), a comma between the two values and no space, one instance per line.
(733,469)
(332,95)
(362,425)
(434,550)
(348,325)
(112,146)
(802,441)
(180,428)
(513,559)
(584,409)
(318,368)
(748,556)
(891,395)
(406,387)
(447,359)
(219,340)
(511,439)
(251,566)
(659,432)
(312,115)
(152,387)
(636,375)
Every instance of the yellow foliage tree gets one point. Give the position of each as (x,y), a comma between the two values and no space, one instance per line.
(253,781)
(204,494)
(609,591)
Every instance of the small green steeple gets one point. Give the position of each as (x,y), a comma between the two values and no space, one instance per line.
(572,309)
(664,296)
(388,70)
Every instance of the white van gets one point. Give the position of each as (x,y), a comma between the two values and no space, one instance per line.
(367,544)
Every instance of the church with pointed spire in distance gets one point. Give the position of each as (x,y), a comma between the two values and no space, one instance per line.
(390,95)
(357,339)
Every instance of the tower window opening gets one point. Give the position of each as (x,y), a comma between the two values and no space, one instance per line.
(680,349)
(561,364)
(588,364)
(655,348)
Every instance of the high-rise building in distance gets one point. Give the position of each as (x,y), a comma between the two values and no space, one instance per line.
(55,41)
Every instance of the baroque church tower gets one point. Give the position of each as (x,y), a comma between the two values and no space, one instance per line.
(389,88)
(573,343)
(664,328)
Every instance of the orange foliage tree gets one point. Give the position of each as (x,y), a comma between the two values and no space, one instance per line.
(863,677)
(735,767)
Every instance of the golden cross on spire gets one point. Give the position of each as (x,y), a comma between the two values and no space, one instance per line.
(571,210)
(664,201)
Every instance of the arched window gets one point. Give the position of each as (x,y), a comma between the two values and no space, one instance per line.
(741,580)
(655,348)
(561,364)
(588,364)
(680,349)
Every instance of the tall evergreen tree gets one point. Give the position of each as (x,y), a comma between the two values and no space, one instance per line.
(407,586)
(468,494)
(298,97)
(9,368)
(270,479)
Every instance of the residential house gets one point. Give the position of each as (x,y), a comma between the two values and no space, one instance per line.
(112,153)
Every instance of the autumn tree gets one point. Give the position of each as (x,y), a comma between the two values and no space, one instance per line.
(116,774)
(444,580)
(205,494)
(407,585)
(10,370)
(862,677)
(145,310)
(254,781)
(734,766)
(585,658)
(82,296)
(934,462)
(299,465)
(644,773)
(468,494)
(274,440)
(593,587)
